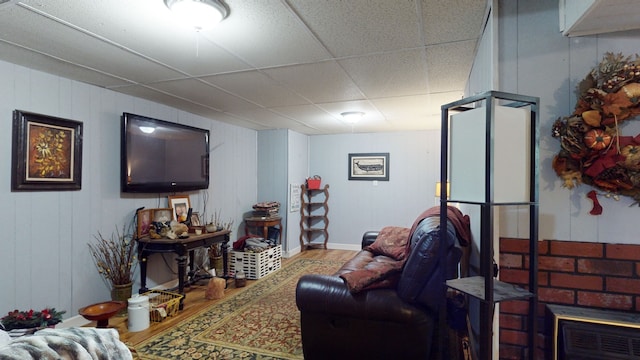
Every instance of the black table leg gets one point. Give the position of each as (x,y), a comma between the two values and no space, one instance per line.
(182,265)
(143,273)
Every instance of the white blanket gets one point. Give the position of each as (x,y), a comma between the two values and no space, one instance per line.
(76,343)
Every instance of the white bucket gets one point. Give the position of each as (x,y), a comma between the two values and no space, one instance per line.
(138,313)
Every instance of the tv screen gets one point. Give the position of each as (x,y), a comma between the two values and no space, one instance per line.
(161,156)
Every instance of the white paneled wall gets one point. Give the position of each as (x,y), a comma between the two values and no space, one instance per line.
(536,59)
(357,206)
(44,258)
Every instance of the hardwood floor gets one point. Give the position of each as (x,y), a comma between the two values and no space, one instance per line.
(195,301)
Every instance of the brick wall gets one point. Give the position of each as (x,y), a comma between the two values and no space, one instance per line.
(604,276)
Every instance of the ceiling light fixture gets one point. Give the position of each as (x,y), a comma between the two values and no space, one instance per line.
(200,14)
(352,117)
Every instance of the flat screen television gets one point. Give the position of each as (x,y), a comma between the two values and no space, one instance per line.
(159,156)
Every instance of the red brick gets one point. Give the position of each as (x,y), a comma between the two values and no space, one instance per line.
(605,267)
(558,296)
(543,278)
(583,282)
(519,246)
(623,285)
(623,251)
(511,352)
(513,337)
(514,276)
(574,248)
(543,247)
(515,307)
(514,322)
(557,263)
(602,300)
(511,261)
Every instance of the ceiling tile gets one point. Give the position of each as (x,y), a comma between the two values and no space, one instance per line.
(78,47)
(444,22)
(390,74)
(46,63)
(257,87)
(421,111)
(371,25)
(202,93)
(449,65)
(318,82)
(266,33)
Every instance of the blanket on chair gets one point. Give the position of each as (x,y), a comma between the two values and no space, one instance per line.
(391,250)
(68,343)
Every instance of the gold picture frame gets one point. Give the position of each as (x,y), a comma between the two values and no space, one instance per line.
(180,205)
(144,217)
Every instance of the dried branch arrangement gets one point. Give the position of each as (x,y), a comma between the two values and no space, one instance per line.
(115,258)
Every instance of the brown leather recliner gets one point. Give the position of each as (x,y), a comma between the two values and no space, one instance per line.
(383,323)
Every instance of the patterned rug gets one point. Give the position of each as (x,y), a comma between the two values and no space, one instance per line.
(260,322)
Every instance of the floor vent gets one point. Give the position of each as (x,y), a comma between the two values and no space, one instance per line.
(592,334)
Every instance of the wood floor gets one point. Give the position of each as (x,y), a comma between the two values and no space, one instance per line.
(195,301)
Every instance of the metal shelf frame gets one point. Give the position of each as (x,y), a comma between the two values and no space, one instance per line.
(484,287)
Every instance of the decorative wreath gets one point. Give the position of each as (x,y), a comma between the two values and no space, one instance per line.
(592,150)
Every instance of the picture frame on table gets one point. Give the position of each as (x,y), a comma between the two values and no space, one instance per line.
(162,215)
(195,219)
(369,166)
(180,205)
(46,153)
(144,217)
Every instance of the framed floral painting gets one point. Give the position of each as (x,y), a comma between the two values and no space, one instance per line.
(46,153)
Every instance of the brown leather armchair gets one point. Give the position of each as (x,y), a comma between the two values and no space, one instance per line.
(400,322)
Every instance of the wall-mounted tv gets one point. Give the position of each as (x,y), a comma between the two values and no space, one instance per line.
(160,156)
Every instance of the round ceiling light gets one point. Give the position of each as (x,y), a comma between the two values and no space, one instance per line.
(352,117)
(200,14)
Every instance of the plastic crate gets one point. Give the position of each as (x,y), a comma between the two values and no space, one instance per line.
(256,265)
(162,304)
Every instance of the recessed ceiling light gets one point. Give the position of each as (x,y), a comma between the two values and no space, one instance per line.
(147,129)
(200,14)
(352,117)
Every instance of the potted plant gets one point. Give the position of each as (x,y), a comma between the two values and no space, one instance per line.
(16,319)
(114,258)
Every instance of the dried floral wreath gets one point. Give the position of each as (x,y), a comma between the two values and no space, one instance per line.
(592,150)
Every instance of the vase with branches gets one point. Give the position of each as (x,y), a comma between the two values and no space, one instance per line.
(115,258)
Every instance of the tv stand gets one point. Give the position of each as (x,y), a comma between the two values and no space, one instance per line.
(182,248)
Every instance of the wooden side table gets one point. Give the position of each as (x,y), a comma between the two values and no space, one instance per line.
(265,223)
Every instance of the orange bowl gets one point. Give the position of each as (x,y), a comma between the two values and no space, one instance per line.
(102,312)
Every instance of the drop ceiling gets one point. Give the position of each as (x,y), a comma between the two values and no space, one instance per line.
(271,64)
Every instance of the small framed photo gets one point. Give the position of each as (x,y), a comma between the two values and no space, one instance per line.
(195,219)
(46,153)
(145,217)
(162,215)
(180,205)
(369,166)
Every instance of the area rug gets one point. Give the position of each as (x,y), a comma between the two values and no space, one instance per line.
(260,322)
